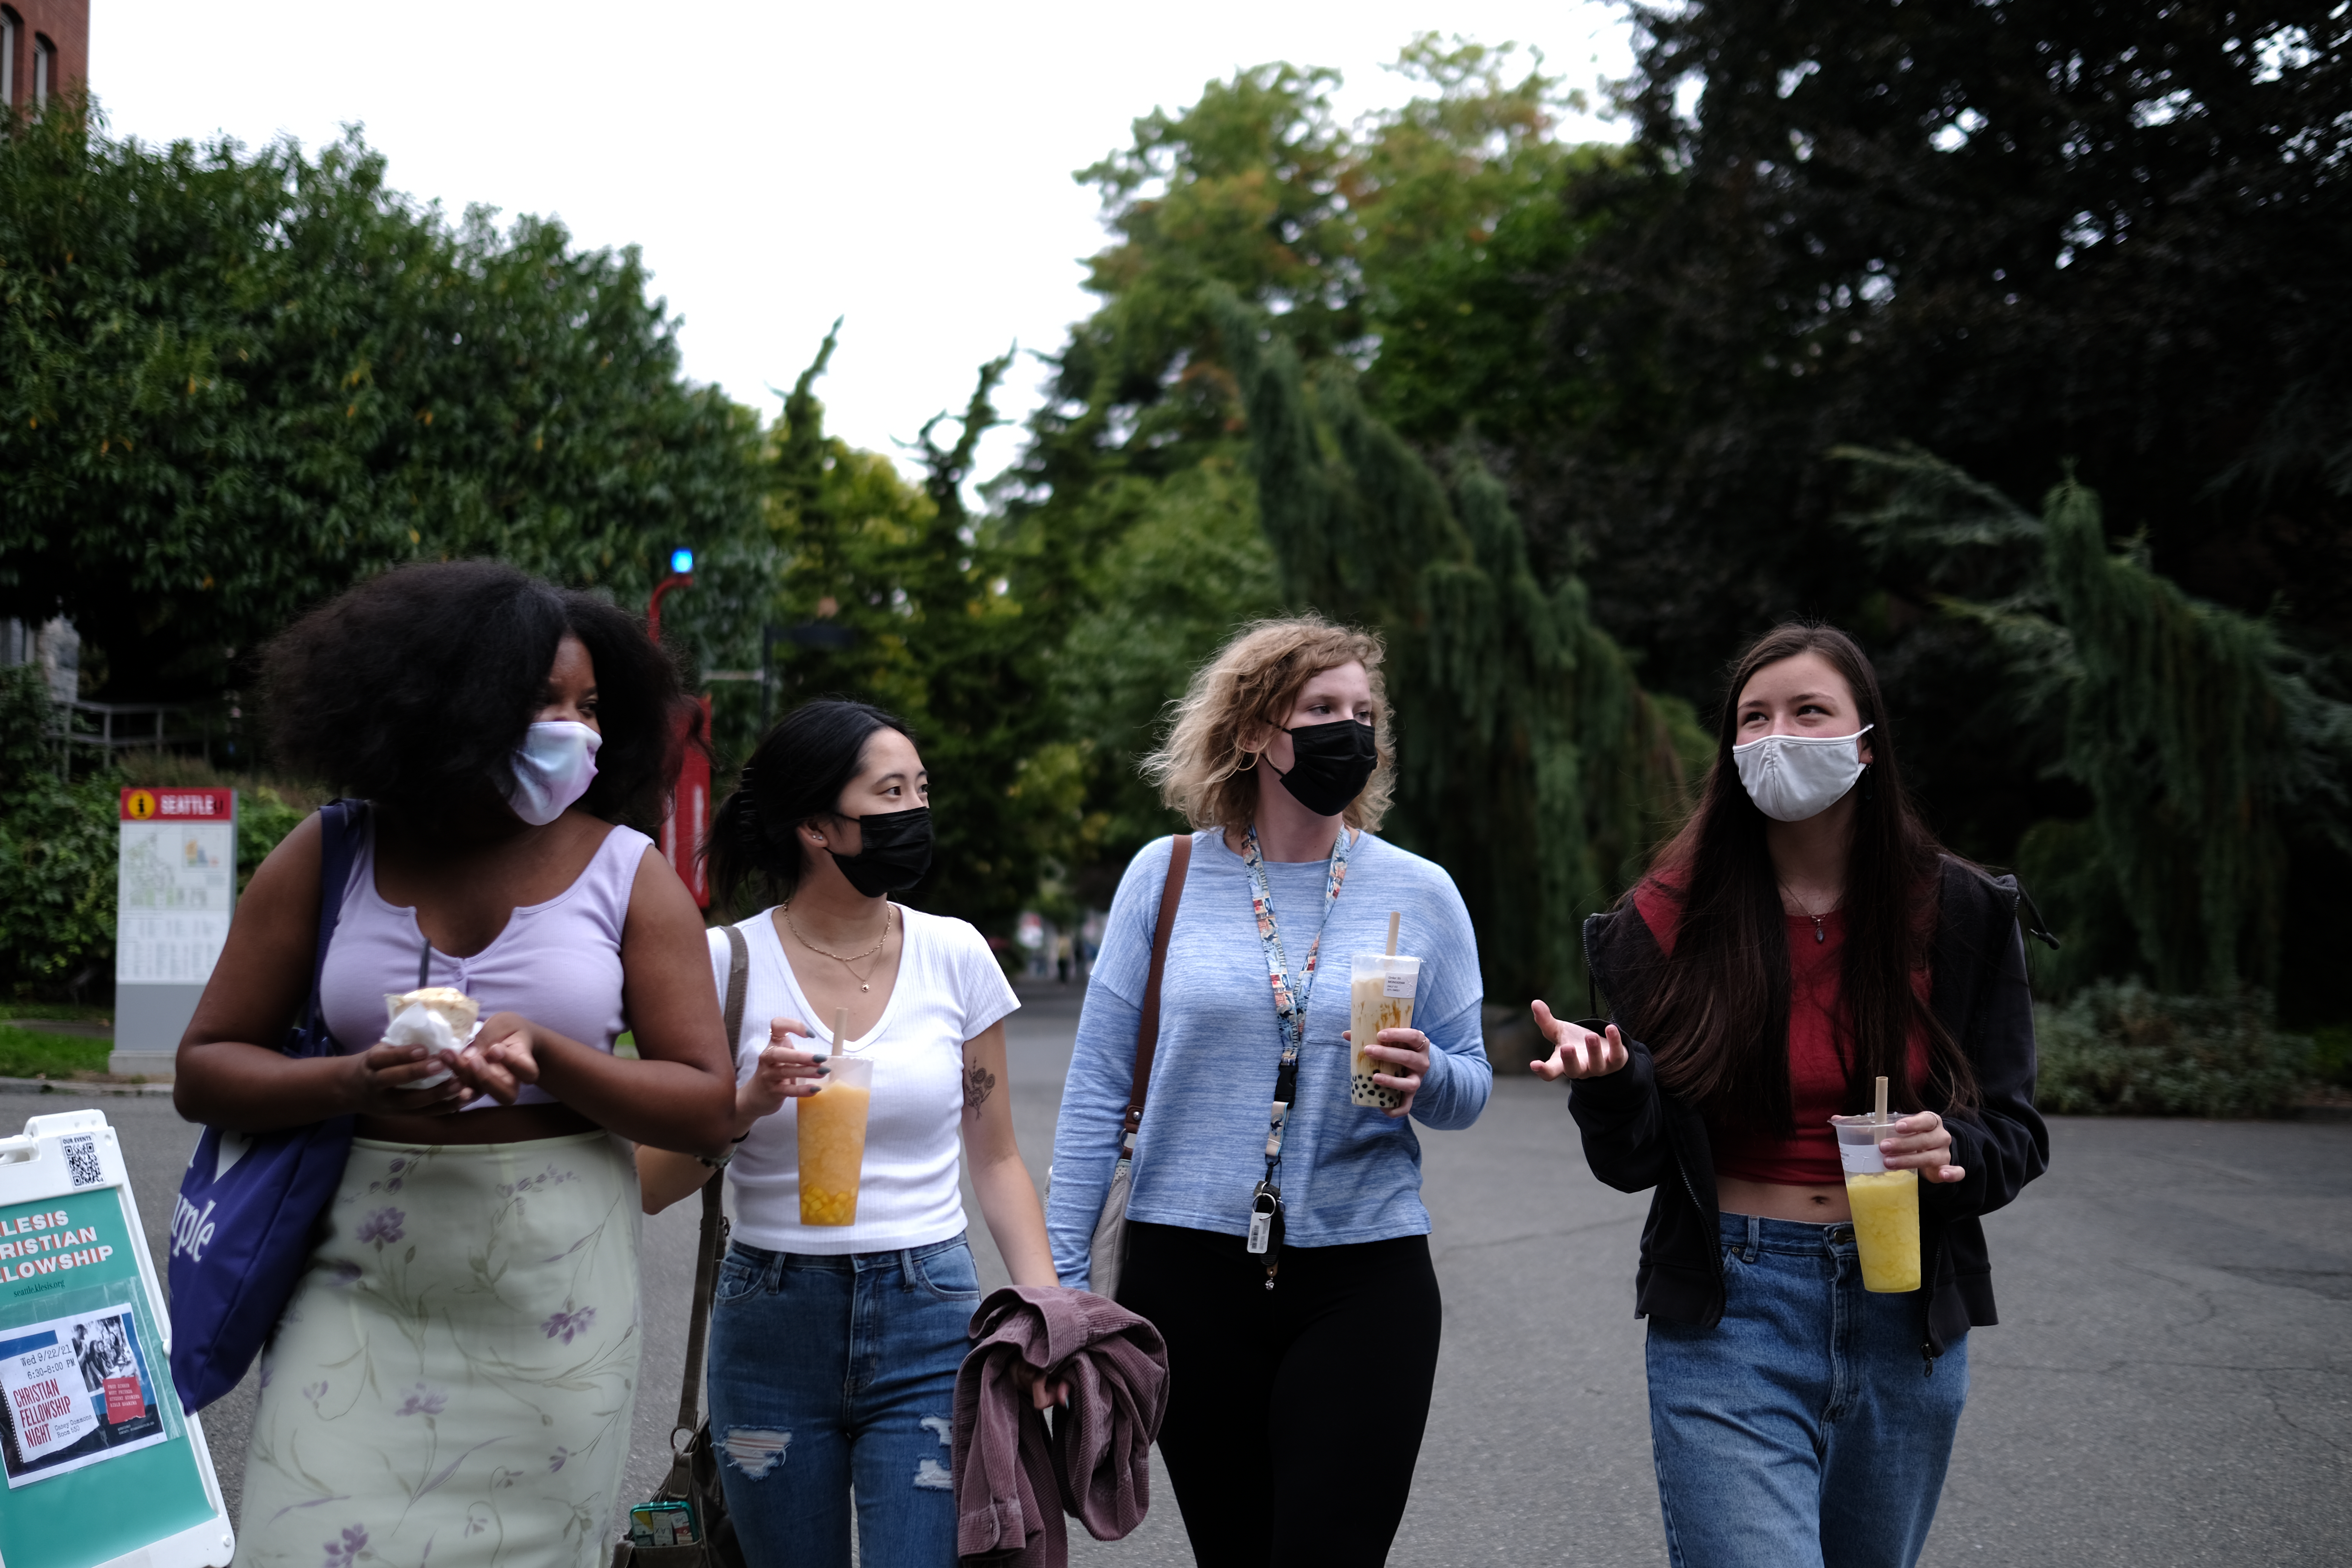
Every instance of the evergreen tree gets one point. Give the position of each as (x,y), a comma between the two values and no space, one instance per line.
(922,588)
(1531,766)
(2217,826)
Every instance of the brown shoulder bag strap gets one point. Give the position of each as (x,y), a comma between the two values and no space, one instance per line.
(1146,1029)
(714,1223)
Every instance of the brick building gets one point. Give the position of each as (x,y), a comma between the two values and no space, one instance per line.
(44,49)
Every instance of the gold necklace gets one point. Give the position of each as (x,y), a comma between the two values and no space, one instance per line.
(849,963)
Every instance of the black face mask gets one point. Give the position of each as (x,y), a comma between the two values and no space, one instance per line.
(1330,765)
(897,851)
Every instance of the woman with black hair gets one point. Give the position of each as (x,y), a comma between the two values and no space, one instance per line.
(835,1345)
(456,1367)
(1798,938)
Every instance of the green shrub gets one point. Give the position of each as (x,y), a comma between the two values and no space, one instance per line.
(2331,1055)
(263,818)
(56,851)
(2120,1050)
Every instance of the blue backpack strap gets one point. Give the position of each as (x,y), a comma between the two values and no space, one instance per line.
(340,823)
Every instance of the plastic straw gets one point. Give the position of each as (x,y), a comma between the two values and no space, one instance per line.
(1395,916)
(1879,1115)
(841,1037)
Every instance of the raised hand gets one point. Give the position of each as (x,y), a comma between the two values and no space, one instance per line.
(783,1073)
(1407,1053)
(1922,1143)
(1576,1051)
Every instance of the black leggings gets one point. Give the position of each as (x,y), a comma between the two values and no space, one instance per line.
(1294,1414)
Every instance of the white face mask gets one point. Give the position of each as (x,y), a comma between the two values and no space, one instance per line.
(1792,777)
(552,767)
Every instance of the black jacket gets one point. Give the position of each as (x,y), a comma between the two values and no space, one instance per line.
(1637,1135)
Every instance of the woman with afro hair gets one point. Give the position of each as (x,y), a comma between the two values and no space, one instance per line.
(455,1370)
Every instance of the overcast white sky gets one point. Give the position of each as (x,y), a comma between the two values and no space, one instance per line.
(906,166)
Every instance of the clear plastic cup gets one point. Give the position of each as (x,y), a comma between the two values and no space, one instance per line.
(1379,997)
(1886,1207)
(832,1136)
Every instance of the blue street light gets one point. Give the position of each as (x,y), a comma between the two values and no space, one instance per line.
(681,562)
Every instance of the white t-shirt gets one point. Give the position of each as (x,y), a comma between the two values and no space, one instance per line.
(949,989)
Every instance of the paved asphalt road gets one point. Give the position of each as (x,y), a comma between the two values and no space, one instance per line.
(2171,1384)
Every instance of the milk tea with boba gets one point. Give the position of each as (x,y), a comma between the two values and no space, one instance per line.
(832,1136)
(1379,997)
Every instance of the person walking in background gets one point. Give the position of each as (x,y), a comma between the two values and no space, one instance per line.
(1802,935)
(1302,1320)
(457,1364)
(835,1345)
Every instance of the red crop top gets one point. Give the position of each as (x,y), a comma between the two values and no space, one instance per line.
(1817,1089)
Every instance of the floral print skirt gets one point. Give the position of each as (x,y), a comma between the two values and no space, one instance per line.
(452,1379)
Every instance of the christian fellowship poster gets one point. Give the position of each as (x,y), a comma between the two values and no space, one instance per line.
(77,1391)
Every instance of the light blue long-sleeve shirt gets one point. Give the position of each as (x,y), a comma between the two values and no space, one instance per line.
(1350,1173)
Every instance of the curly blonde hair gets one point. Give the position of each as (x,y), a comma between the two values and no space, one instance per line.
(1203,768)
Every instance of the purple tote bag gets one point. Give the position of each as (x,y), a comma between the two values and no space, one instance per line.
(249,1204)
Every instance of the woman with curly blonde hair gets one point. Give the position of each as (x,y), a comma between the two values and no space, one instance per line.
(1284,1256)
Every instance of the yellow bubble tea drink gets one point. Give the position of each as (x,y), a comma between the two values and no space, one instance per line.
(831,1135)
(1379,997)
(1885,1205)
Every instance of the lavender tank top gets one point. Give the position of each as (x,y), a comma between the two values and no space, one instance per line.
(557,963)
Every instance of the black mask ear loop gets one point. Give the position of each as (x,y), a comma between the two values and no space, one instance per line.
(425,965)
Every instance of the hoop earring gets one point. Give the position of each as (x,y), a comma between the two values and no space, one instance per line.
(1245,767)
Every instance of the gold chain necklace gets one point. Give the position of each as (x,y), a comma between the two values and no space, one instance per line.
(849,963)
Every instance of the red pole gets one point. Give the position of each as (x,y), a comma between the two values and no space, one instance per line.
(653,607)
(687,821)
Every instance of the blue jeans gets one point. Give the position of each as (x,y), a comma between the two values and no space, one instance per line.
(830,1374)
(1803,1431)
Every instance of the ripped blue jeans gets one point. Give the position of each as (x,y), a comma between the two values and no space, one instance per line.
(835,1375)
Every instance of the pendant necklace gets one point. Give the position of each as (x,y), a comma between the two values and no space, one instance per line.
(849,963)
(1819,935)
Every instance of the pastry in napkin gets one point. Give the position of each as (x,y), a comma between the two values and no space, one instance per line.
(441,1018)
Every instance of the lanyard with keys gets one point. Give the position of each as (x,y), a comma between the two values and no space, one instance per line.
(1290,1022)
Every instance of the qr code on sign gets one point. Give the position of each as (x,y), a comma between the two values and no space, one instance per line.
(82,1160)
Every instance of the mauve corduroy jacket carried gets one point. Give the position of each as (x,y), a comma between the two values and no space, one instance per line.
(1012,1480)
(1637,1135)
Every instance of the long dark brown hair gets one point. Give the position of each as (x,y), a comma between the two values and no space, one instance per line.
(1716,1014)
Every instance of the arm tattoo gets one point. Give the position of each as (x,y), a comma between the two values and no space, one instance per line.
(979,1083)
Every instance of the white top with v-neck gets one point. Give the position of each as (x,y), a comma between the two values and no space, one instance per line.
(949,989)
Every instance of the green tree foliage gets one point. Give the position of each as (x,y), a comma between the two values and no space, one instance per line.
(1258,188)
(236,383)
(1530,764)
(2011,234)
(921,585)
(1192,566)
(2216,772)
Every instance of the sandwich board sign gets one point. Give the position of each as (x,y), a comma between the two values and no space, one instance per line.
(176,883)
(101,1465)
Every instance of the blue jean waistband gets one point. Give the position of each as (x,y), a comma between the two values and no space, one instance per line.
(1753,1233)
(846,1262)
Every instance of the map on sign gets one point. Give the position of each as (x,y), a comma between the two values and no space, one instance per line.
(176,884)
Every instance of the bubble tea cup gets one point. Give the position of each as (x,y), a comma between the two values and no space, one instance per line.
(1886,1207)
(1379,997)
(831,1137)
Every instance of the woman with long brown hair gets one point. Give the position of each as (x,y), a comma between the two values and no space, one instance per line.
(1801,936)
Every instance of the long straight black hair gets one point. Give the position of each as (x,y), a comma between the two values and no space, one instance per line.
(1716,1014)
(796,774)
